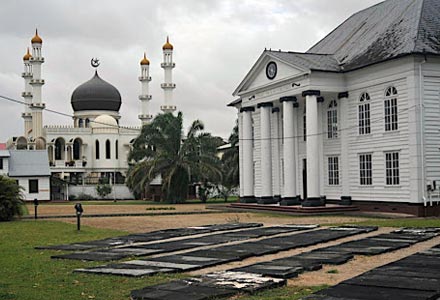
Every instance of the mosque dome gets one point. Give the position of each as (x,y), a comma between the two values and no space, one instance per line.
(36,39)
(104,121)
(167,45)
(96,94)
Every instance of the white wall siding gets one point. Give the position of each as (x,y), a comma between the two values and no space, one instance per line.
(431,96)
(43,188)
(379,141)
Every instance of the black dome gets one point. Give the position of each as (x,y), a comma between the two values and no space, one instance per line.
(96,94)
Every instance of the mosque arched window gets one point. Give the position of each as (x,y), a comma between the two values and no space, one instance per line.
(77,143)
(59,149)
(97,149)
(116,149)
(80,123)
(107,149)
(87,123)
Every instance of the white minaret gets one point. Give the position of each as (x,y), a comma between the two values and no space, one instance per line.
(168,86)
(36,82)
(145,96)
(27,94)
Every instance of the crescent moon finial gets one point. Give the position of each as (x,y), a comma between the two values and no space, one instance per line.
(95,62)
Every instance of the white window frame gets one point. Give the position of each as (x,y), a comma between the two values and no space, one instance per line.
(391,109)
(364,114)
(333,170)
(332,120)
(392,168)
(366,169)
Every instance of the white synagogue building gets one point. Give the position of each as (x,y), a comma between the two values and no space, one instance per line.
(355,119)
(95,147)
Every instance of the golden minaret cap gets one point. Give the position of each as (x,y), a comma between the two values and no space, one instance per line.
(167,45)
(36,38)
(27,56)
(144,60)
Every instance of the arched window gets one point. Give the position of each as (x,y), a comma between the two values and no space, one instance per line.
(332,120)
(390,109)
(87,123)
(80,123)
(97,149)
(364,114)
(116,149)
(59,149)
(77,143)
(107,149)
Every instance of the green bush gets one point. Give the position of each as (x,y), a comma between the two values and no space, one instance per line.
(83,196)
(11,199)
(103,190)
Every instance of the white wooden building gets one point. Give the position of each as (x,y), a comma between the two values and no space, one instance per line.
(355,117)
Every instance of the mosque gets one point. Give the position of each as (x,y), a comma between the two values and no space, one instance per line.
(95,147)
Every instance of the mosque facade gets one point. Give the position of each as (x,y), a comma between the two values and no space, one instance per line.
(94,149)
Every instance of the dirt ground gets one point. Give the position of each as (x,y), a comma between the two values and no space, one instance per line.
(66,209)
(151,223)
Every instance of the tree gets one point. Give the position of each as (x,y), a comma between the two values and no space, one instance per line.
(161,150)
(11,199)
(103,190)
(230,166)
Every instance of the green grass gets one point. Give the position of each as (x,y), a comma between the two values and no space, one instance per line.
(29,274)
(284,293)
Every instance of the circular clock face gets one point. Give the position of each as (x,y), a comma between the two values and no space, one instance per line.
(271,70)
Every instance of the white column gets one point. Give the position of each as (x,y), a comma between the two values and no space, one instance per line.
(312,144)
(343,131)
(266,151)
(248,157)
(276,152)
(240,149)
(289,155)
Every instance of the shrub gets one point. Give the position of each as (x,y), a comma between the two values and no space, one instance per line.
(83,196)
(103,190)
(11,199)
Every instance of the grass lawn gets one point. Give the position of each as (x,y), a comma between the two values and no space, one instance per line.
(29,274)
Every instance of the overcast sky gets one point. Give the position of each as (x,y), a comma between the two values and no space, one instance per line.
(216,42)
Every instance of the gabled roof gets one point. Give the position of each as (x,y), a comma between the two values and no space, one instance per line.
(384,31)
(28,163)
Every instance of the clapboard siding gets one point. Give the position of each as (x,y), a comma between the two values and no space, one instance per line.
(431,96)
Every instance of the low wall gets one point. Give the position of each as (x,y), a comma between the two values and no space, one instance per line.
(119,191)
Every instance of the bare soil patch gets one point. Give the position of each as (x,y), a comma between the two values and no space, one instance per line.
(151,223)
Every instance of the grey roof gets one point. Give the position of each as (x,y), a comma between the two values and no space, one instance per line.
(235,102)
(96,94)
(384,31)
(310,61)
(4,153)
(28,163)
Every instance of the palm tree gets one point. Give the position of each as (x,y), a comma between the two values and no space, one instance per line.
(230,166)
(161,150)
(11,199)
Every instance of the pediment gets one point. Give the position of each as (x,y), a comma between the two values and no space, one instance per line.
(257,76)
